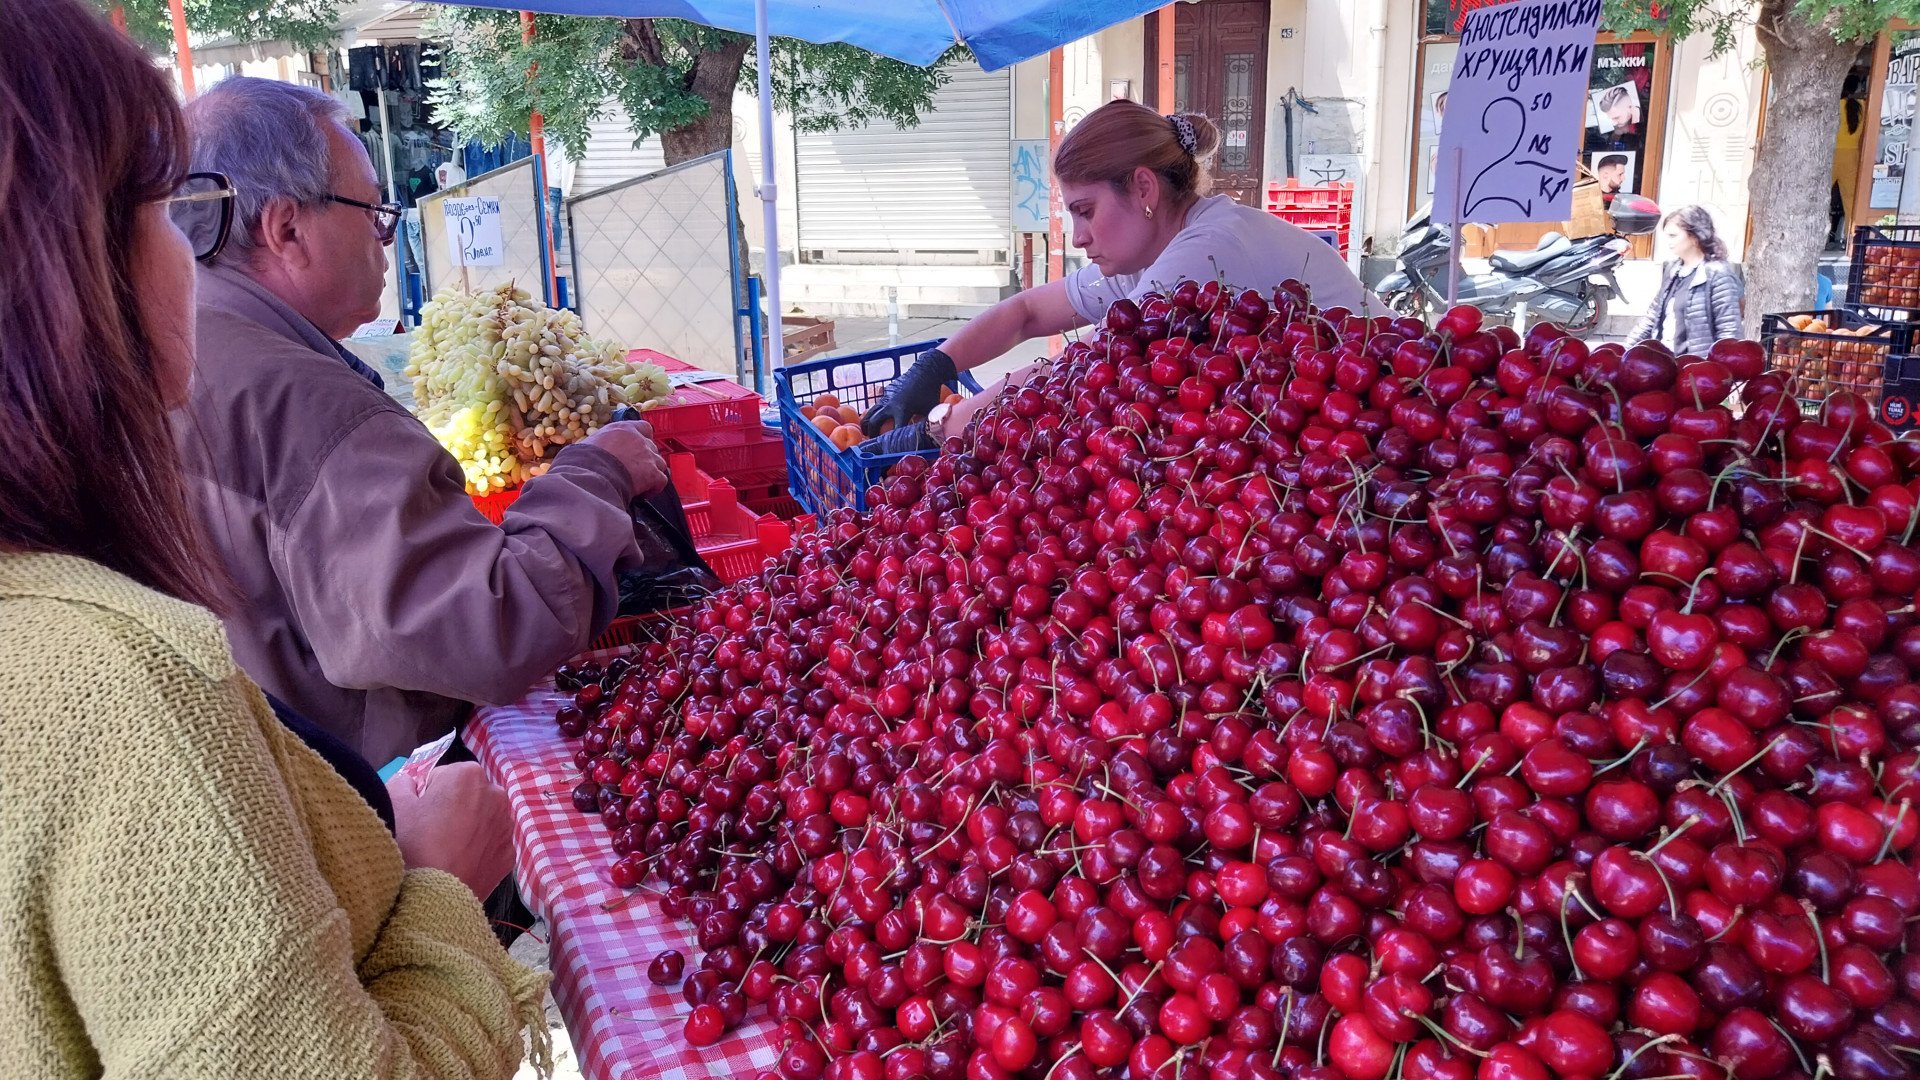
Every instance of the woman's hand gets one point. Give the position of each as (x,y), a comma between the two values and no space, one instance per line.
(461,824)
(912,395)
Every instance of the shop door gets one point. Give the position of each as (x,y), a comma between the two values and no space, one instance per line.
(1220,69)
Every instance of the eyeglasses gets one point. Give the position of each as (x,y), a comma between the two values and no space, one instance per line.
(202,208)
(386,217)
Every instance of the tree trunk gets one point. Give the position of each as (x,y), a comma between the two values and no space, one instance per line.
(1790,188)
(714,76)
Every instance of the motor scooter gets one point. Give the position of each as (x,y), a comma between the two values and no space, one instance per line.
(1563,281)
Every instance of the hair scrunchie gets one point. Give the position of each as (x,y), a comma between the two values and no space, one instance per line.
(1183,133)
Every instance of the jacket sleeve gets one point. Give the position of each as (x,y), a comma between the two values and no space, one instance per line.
(1726,305)
(198,937)
(397,581)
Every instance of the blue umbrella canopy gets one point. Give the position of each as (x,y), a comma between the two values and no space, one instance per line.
(1000,32)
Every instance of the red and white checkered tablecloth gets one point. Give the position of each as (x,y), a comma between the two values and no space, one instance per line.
(600,939)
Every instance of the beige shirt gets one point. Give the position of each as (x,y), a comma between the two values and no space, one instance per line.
(1248,248)
(376,601)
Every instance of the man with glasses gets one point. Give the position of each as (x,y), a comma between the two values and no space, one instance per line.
(374,598)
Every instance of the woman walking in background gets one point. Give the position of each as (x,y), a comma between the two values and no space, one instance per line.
(1700,295)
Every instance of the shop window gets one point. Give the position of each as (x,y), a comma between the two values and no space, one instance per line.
(1619,140)
(1619,98)
(1900,86)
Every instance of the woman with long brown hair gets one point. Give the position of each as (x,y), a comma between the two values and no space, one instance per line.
(1135,185)
(185,889)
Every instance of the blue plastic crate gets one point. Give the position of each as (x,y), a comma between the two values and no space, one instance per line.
(822,476)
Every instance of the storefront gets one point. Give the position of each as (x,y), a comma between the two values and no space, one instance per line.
(1625,121)
(1885,186)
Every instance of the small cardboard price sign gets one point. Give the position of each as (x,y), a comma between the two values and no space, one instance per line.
(473,231)
(1514,108)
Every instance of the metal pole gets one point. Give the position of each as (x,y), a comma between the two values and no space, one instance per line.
(1453,248)
(537,136)
(769,194)
(1056,128)
(183,52)
(397,259)
(1165,90)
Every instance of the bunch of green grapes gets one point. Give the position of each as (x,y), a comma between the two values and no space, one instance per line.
(504,381)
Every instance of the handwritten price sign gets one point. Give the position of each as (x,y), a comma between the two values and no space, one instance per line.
(1514,110)
(473,231)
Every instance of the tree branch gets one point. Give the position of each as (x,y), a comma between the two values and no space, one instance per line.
(639,43)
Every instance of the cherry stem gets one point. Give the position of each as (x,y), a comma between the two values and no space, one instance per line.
(1623,758)
(1785,639)
(1797,1052)
(1722,782)
(1818,938)
(1443,1034)
(1643,1048)
(1692,820)
(1733,811)
(1071,1050)
(1864,557)
(1893,829)
(1566,933)
(1691,683)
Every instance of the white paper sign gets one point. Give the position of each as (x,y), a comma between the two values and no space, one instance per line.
(1514,110)
(473,231)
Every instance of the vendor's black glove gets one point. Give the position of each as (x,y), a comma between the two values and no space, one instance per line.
(913,394)
(900,440)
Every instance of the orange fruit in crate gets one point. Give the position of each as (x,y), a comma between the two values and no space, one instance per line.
(846,435)
(849,414)
(826,424)
(826,401)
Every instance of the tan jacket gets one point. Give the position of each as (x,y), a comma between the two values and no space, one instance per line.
(230,908)
(376,600)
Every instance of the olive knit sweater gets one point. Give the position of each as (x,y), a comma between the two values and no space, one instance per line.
(187,891)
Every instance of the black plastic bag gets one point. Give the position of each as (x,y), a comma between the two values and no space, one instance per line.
(671,572)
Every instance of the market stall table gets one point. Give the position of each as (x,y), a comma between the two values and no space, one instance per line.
(602,938)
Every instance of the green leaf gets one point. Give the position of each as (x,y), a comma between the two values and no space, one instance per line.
(650,66)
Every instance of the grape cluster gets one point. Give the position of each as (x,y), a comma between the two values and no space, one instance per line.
(503,381)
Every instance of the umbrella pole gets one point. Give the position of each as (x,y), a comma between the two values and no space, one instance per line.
(183,52)
(769,197)
(537,140)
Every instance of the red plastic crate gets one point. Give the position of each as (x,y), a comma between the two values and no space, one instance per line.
(784,507)
(704,407)
(688,480)
(1294,195)
(742,456)
(494,506)
(633,629)
(667,363)
(734,540)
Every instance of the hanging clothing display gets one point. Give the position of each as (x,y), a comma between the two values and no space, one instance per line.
(366,67)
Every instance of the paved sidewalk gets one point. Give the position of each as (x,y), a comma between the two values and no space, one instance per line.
(533,953)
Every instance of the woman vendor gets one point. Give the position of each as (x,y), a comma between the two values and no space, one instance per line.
(1135,186)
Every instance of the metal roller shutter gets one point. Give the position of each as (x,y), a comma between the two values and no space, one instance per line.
(611,156)
(938,190)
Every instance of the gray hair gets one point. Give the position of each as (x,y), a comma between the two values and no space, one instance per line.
(270,139)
